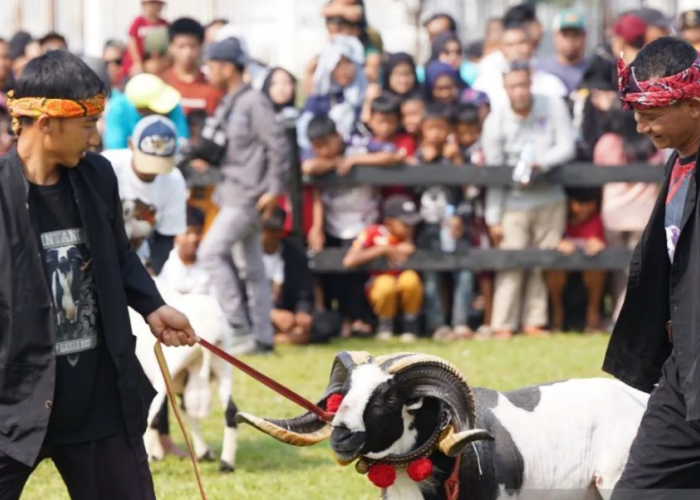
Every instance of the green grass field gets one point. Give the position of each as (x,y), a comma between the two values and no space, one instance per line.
(267,469)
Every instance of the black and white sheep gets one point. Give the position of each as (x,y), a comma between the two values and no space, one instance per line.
(192,369)
(565,440)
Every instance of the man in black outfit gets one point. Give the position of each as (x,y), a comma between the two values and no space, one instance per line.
(655,346)
(71,387)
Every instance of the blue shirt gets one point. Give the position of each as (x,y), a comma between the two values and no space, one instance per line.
(121,119)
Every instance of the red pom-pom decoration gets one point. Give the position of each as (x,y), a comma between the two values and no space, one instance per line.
(333,402)
(420,470)
(382,475)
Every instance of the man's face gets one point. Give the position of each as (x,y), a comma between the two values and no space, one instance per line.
(669,127)
(691,35)
(271,239)
(435,131)
(570,44)
(383,125)
(156,64)
(656,32)
(516,44)
(219,74)
(467,134)
(152,10)
(185,51)
(5,62)
(412,115)
(437,26)
(536,32)
(188,243)
(328,148)
(517,85)
(67,140)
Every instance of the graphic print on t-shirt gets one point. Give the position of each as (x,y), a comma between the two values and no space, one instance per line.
(675,202)
(72,288)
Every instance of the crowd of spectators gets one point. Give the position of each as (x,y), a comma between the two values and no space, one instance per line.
(491,103)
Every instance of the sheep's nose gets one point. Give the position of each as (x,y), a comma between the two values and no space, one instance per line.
(347,442)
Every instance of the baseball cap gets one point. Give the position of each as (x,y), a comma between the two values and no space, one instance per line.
(654,17)
(228,50)
(148,91)
(569,19)
(401,207)
(630,27)
(690,19)
(154,143)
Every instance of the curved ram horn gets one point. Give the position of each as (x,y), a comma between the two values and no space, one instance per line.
(452,444)
(308,429)
(424,375)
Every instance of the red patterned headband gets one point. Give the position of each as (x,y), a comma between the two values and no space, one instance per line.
(657,93)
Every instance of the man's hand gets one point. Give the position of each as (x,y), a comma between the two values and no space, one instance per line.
(171,327)
(456,226)
(593,246)
(266,204)
(451,152)
(317,239)
(567,247)
(345,165)
(282,319)
(496,233)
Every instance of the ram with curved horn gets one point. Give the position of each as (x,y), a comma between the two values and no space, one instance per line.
(413,424)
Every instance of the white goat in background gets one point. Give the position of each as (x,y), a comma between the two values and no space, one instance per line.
(192,369)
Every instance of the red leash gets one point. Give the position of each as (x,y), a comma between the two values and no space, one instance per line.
(264,379)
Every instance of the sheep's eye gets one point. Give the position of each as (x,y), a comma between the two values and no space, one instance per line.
(391,400)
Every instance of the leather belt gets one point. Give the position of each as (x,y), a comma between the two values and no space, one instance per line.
(669,331)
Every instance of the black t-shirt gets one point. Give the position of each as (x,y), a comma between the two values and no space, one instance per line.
(86,402)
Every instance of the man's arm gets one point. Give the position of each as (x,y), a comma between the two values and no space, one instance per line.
(358,256)
(564,148)
(318,166)
(277,148)
(141,291)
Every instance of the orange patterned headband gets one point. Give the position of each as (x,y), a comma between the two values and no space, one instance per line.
(34,107)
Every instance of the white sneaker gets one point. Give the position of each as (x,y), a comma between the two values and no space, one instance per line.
(408,337)
(385,335)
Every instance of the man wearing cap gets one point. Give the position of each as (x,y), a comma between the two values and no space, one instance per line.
(144,95)
(152,190)
(655,345)
(71,386)
(253,169)
(658,25)
(569,62)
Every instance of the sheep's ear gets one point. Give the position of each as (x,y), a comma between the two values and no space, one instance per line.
(452,444)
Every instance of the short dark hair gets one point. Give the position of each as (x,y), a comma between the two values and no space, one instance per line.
(51,37)
(520,14)
(468,114)
(584,194)
(195,217)
(515,27)
(321,127)
(186,26)
(450,20)
(413,95)
(438,110)
(196,118)
(663,57)
(58,75)
(387,104)
(519,65)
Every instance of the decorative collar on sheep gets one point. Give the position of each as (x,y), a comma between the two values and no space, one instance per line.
(421,375)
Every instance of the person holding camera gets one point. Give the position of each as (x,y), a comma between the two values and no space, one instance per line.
(249,146)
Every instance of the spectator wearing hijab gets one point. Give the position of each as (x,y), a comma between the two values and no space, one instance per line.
(442,83)
(447,48)
(400,74)
(339,86)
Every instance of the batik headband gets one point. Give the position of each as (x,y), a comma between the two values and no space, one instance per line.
(34,107)
(657,93)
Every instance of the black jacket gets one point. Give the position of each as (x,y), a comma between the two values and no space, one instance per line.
(27,326)
(297,293)
(659,293)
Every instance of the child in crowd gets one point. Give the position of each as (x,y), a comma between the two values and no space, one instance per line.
(389,290)
(468,131)
(412,109)
(181,271)
(149,20)
(584,231)
(340,214)
(443,211)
